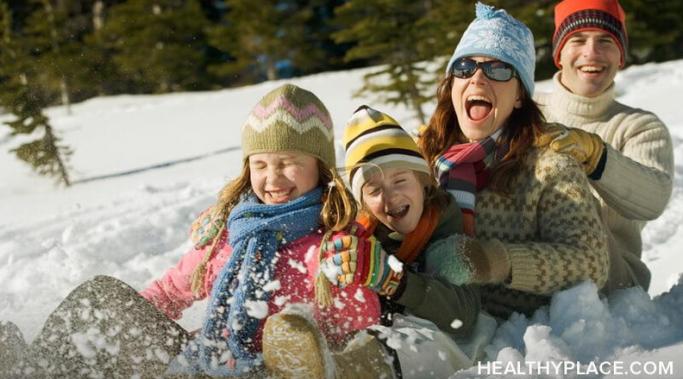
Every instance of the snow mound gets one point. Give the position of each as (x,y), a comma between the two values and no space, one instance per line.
(579,326)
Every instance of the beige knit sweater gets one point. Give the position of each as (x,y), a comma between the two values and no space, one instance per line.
(637,181)
(551,229)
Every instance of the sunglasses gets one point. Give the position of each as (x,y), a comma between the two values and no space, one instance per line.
(464,68)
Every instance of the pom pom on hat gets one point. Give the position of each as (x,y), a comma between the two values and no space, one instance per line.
(484,11)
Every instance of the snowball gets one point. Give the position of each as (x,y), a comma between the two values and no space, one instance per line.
(330,271)
(299,266)
(272,286)
(395,264)
(281,300)
(358,295)
(257,309)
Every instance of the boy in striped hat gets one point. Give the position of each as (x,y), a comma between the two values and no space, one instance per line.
(410,225)
(376,147)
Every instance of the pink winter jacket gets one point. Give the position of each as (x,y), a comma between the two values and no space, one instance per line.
(355,307)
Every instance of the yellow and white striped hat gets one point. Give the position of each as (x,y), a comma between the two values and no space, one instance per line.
(372,140)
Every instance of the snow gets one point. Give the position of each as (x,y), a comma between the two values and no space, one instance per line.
(257,309)
(358,295)
(580,327)
(395,264)
(271,286)
(145,166)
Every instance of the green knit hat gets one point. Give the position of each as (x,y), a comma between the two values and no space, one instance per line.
(290,118)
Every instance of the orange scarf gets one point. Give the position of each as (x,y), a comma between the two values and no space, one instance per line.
(414,242)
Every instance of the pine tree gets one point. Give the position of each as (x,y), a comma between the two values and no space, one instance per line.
(103,72)
(22,97)
(54,32)
(320,29)
(262,37)
(655,30)
(158,44)
(396,34)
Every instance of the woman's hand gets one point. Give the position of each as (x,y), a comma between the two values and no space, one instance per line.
(462,260)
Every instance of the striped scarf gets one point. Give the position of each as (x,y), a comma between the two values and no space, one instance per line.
(463,170)
(414,242)
(225,346)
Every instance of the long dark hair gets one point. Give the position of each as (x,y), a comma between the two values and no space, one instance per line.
(522,128)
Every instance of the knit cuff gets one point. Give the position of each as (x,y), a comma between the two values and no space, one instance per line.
(401,287)
(600,168)
(524,271)
(498,260)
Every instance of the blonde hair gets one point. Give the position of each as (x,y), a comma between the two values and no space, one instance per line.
(337,212)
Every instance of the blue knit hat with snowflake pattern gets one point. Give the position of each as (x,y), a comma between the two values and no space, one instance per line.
(496,34)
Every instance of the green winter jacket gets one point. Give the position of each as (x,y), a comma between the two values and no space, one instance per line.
(426,296)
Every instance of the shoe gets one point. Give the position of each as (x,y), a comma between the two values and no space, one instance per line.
(363,357)
(12,347)
(294,348)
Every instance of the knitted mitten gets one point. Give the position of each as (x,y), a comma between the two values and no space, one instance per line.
(362,261)
(462,260)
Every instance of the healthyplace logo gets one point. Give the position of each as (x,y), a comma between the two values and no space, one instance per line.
(637,368)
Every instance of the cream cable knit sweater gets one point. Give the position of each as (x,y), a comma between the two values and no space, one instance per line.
(637,182)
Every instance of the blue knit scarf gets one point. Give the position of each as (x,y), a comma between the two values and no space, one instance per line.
(225,346)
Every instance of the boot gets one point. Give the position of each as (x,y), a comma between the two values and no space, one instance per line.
(293,348)
(363,358)
(104,328)
(12,347)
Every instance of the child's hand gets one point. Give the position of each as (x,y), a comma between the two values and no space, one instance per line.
(361,261)
(341,267)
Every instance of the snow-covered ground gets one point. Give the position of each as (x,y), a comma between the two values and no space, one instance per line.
(144,166)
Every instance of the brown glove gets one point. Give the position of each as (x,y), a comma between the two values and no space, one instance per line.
(586,148)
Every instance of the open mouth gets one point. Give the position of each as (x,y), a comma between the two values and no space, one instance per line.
(589,69)
(478,107)
(280,196)
(399,212)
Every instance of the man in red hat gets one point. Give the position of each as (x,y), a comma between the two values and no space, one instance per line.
(626,152)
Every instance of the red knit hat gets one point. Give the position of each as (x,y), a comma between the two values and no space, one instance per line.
(573,16)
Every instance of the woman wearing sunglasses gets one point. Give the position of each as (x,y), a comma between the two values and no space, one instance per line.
(531,215)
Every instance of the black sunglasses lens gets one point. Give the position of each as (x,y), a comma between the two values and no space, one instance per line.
(499,71)
(464,68)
